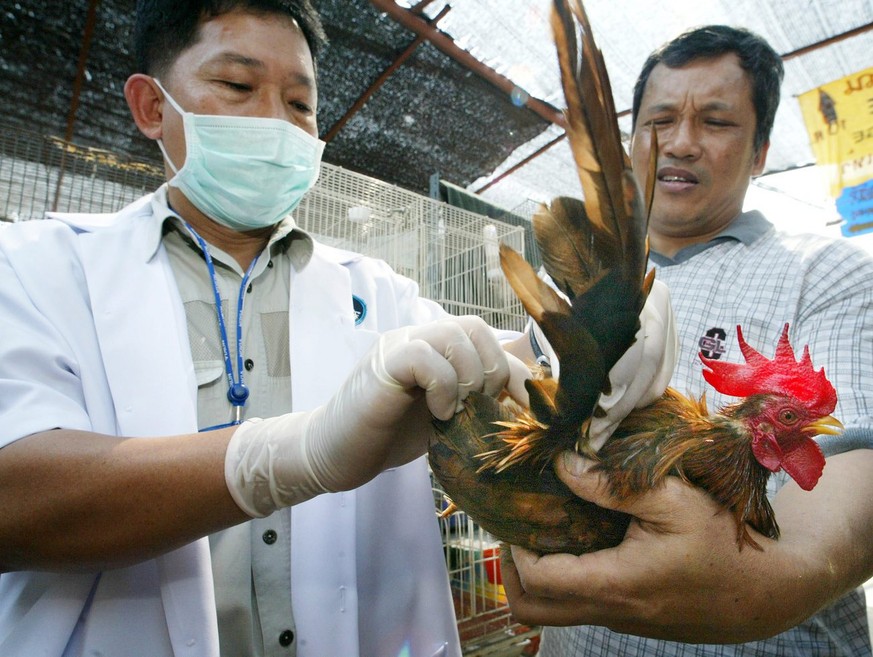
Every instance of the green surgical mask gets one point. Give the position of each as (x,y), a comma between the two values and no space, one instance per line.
(244,172)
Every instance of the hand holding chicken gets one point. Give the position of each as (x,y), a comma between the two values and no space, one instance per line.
(379,418)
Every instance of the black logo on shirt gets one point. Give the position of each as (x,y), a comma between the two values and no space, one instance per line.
(712,344)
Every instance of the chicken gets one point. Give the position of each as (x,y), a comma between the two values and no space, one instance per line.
(494,459)
(732,453)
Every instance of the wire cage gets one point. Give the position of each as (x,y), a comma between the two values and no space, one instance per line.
(451,253)
(40,173)
(485,623)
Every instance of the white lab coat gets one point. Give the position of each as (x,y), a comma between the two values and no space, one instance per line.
(82,326)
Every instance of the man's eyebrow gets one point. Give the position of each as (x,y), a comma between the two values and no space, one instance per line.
(715,105)
(237,58)
(303,80)
(660,107)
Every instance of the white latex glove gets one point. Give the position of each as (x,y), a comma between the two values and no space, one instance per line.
(641,374)
(379,418)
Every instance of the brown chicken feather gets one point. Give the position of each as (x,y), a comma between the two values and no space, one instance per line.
(595,251)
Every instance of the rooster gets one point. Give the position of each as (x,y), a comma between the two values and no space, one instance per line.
(494,459)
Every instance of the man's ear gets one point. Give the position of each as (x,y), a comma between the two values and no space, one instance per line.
(760,159)
(146,104)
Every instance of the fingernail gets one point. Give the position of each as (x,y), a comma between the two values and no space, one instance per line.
(574,464)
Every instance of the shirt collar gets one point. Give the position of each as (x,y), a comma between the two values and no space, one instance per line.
(286,236)
(746,228)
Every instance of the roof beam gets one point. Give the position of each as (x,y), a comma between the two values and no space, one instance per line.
(518,165)
(383,77)
(829,41)
(446,44)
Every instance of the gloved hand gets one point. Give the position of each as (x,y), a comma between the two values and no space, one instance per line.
(379,418)
(641,374)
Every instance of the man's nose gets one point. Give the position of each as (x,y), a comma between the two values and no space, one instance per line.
(681,140)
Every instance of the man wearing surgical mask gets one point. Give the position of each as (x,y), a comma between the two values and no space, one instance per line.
(147,511)
(146,508)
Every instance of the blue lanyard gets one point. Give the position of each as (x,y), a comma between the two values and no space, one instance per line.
(237,392)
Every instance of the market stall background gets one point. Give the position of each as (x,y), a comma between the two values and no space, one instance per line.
(466,91)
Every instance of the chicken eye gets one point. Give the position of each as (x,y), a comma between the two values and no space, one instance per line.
(788,417)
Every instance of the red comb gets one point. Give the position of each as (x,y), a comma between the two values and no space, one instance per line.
(782,375)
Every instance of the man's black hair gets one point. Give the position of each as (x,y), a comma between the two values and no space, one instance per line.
(164,28)
(757,57)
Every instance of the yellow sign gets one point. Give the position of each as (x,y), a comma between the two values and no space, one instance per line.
(839,119)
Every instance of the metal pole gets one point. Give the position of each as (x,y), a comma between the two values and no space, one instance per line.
(87,36)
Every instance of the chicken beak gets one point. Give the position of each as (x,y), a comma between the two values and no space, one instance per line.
(829,425)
